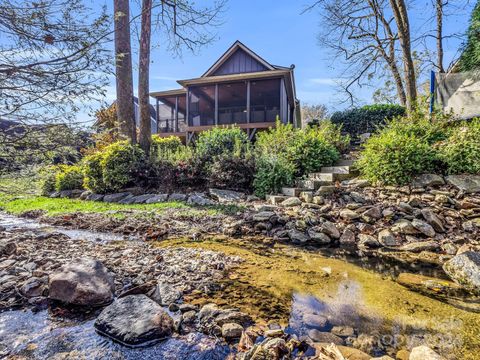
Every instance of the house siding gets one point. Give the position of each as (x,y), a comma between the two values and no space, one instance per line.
(239,62)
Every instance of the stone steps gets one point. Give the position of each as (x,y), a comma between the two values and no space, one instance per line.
(325,179)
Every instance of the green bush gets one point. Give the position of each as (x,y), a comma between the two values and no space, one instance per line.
(161,145)
(48,175)
(308,150)
(400,151)
(232,172)
(93,174)
(69,177)
(461,151)
(272,173)
(221,141)
(366,119)
(121,165)
(332,133)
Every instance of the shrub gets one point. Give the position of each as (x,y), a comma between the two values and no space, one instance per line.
(232,172)
(272,173)
(190,173)
(70,177)
(93,174)
(367,118)
(399,151)
(461,151)
(121,165)
(306,149)
(161,145)
(332,133)
(48,176)
(221,141)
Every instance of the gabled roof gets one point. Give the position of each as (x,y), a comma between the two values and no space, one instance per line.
(237,45)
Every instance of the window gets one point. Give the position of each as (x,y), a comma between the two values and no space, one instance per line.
(201,107)
(232,103)
(264,100)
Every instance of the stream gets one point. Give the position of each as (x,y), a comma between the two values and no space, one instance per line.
(283,285)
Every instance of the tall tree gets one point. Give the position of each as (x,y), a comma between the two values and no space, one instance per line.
(403,26)
(143,75)
(439,34)
(123,70)
(184,24)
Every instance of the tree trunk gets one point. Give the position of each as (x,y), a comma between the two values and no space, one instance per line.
(123,70)
(401,18)
(145,137)
(439,12)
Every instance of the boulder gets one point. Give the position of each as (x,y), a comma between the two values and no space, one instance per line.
(430,286)
(318,236)
(157,198)
(263,215)
(424,353)
(419,246)
(347,238)
(372,214)
(297,236)
(141,199)
(199,199)
(84,282)
(404,226)
(466,183)
(33,287)
(425,228)
(324,337)
(177,197)
(348,214)
(292,201)
(433,219)
(232,331)
(464,269)
(226,196)
(166,294)
(8,248)
(314,321)
(425,180)
(325,190)
(134,320)
(113,198)
(366,240)
(330,229)
(95,197)
(387,238)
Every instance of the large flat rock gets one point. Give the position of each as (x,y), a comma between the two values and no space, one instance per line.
(466,183)
(134,320)
(464,269)
(83,282)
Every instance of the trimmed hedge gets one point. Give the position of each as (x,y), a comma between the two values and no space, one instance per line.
(366,119)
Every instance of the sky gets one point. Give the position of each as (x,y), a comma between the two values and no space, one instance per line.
(279,32)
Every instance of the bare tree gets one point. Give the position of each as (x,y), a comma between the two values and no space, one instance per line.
(123,69)
(439,34)
(311,112)
(403,26)
(143,75)
(52,61)
(185,25)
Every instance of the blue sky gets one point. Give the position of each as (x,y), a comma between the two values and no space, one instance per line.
(278,32)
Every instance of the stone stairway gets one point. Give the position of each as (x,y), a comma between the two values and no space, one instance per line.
(318,183)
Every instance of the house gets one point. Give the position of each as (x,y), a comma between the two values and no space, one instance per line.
(240,88)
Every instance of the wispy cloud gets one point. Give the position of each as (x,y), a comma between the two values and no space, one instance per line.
(324,81)
(166,78)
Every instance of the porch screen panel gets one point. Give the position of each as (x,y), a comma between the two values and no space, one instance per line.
(167,115)
(201,106)
(264,100)
(232,103)
(182,107)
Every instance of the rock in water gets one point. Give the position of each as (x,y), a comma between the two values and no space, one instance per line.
(84,282)
(424,353)
(134,320)
(464,269)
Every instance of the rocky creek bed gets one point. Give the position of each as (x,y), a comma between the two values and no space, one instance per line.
(249,297)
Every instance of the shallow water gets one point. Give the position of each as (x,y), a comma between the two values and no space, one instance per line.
(39,336)
(12,223)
